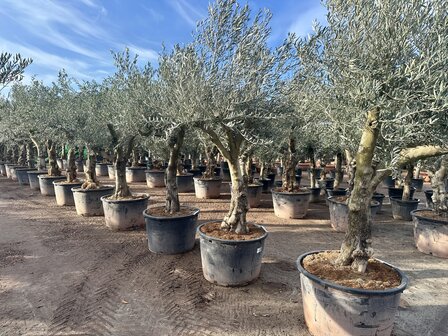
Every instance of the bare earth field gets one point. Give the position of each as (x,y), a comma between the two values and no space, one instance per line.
(62,274)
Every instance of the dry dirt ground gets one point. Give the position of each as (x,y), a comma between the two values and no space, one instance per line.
(62,274)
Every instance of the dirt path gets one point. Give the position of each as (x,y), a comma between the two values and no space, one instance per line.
(61,274)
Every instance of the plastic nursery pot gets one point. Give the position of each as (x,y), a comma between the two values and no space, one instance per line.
(33,178)
(417,184)
(332,309)
(155,178)
(290,204)
(379,198)
(171,235)
(315,195)
(389,181)
(231,262)
(124,214)
(402,209)
(217,171)
(135,174)
(428,197)
(185,183)
(111,172)
(209,188)
(336,192)
(398,192)
(8,167)
(46,184)
(430,234)
(329,183)
(13,172)
(88,201)
(265,183)
(22,175)
(101,169)
(254,194)
(195,172)
(298,179)
(225,173)
(339,213)
(63,192)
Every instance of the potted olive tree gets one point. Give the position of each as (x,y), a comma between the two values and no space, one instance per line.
(229,103)
(392,88)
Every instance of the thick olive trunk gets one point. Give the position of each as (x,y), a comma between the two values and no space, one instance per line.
(175,142)
(418,168)
(9,155)
(313,179)
(121,186)
(351,169)
(30,155)
(235,221)
(438,184)
(90,174)
(71,166)
(22,156)
(54,169)
(210,152)
(338,170)
(41,165)
(134,157)
(63,153)
(262,170)
(355,249)
(15,154)
(407,183)
(289,170)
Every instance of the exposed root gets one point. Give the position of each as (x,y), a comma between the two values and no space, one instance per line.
(87,185)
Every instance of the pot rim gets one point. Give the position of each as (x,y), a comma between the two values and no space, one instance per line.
(185,175)
(40,172)
(438,221)
(428,191)
(101,188)
(68,184)
(412,188)
(25,169)
(327,283)
(52,177)
(377,194)
(399,200)
(105,199)
(167,219)
(214,178)
(155,171)
(331,199)
(305,192)
(229,241)
(135,168)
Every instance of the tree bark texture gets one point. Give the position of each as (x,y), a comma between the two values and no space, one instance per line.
(22,156)
(71,166)
(15,154)
(338,170)
(91,180)
(355,249)
(351,169)
(262,170)
(407,183)
(175,141)
(54,169)
(210,152)
(30,155)
(438,184)
(41,165)
(289,171)
(9,155)
(121,186)
(313,179)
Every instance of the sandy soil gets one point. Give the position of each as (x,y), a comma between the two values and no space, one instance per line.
(62,274)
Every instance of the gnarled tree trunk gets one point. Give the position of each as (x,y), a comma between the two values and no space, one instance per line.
(41,165)
(210,152)
(29,155)
(438,184)
(175,141)
(338,170)
(351,169)
(54,169)
(9,155)
(407,183)
(71,166)
(313,179)
(355,249)
(15,154)
(290,163)
(121,186)
(22,157)
(91,181)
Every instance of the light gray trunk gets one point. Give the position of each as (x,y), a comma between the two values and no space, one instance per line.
(351,169)
(262,170)
(90,174)
(338,170)
(313,179)
(71,166)
(407,183)
(53,170)
(121,185)
(30,155)
(175,142)
(22,156)
(210,152)
(15,154)
(289,170)
(438,184)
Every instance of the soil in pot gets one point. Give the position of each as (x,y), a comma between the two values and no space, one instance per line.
(207,188)
(155,178)
(170,233)
(230,259)
(124,213)
(338,301)
(431,232)
(402,209)
(63,192)
(290,204)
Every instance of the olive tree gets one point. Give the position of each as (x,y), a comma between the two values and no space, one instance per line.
(232,101)
(12,68)
(385,69)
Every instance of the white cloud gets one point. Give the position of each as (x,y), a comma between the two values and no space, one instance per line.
(188,12)
(303,23)
(144,53)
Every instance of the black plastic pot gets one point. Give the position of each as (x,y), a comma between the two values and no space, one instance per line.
(231,262)
(185,183)
(265,185)
(33,178)
(298,179)
(315,195)
(225,174)
(171,235)
(88,201)
(135,174)
(79,166)
(217,171)
(402,209)
(430,233)
(124,214)
(299,171)
(195,172)
(329,183)
(398,192)
(22,175)
(417,184)
(290,204)
(2,169)
(379,198)
(101,169)
(428,196)
(336,192)
(389,181)
(46,184)
(13,172)
(254,194)
(332,309)
(63,192)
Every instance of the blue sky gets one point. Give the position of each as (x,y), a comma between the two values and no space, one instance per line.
(78,34)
